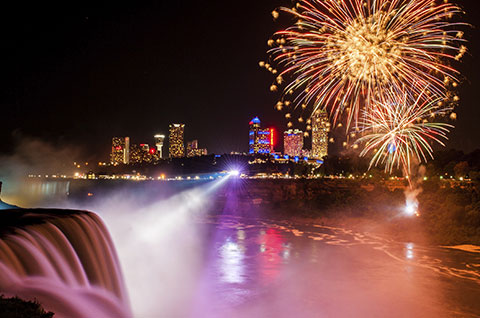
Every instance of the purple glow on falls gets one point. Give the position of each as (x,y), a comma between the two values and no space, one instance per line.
(66,261)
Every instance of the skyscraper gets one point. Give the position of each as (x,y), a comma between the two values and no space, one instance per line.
(320,129)
(159,144)
(175,139)
(260,139)
(120,150)
(293,142)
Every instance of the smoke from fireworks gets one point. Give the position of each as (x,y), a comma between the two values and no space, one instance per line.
(401,128)
(343,54)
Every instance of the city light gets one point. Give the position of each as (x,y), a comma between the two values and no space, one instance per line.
(260,140)
(320,130)
(272,141)
(234,173)
(176,146)
(293,142)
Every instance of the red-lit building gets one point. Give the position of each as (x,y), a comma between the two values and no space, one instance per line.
(293,142)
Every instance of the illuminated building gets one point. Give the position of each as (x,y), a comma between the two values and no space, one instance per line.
(293,142)
(191,147)
(159,144)
(194,151)
(261,140)
(320,129)
(143,154)
(136,154)
(120,150)
(176,147)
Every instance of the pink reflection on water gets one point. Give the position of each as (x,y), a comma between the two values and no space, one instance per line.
(270,258)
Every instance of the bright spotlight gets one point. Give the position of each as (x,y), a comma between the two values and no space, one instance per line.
(234,173)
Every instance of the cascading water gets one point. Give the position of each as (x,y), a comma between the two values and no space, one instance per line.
(64,259)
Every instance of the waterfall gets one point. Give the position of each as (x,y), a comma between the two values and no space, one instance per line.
(64,259)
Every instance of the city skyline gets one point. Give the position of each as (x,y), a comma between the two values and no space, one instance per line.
(125,152)
(150,83)
(262,141)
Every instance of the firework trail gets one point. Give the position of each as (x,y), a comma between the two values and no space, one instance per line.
(400,128)
(342,55)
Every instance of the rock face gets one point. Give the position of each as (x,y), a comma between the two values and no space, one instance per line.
(64,259)
(282,190)
(311,197)
(3,205)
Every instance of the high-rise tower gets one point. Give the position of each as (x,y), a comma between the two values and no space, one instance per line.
(159,144)
(176,147)
(320,129)
(293,142)
(260,139)
(120,150)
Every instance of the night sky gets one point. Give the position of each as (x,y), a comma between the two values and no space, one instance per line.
(78,73)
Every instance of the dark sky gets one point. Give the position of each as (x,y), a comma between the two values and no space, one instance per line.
(79,72)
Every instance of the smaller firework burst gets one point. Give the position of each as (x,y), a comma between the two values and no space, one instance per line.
(400,128)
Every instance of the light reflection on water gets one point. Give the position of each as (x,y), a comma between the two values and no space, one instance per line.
(409,250)
(231,257)
(31,193)
(272,268)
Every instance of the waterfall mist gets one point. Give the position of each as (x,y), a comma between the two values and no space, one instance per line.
(159,244)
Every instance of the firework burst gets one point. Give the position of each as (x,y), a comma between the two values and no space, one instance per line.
(341,55)
(401,128)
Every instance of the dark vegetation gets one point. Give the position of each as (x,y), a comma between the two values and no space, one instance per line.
(18,308)
(449,163)
(451,215)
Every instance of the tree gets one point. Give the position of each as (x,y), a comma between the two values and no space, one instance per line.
(18,308)
(461,169)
